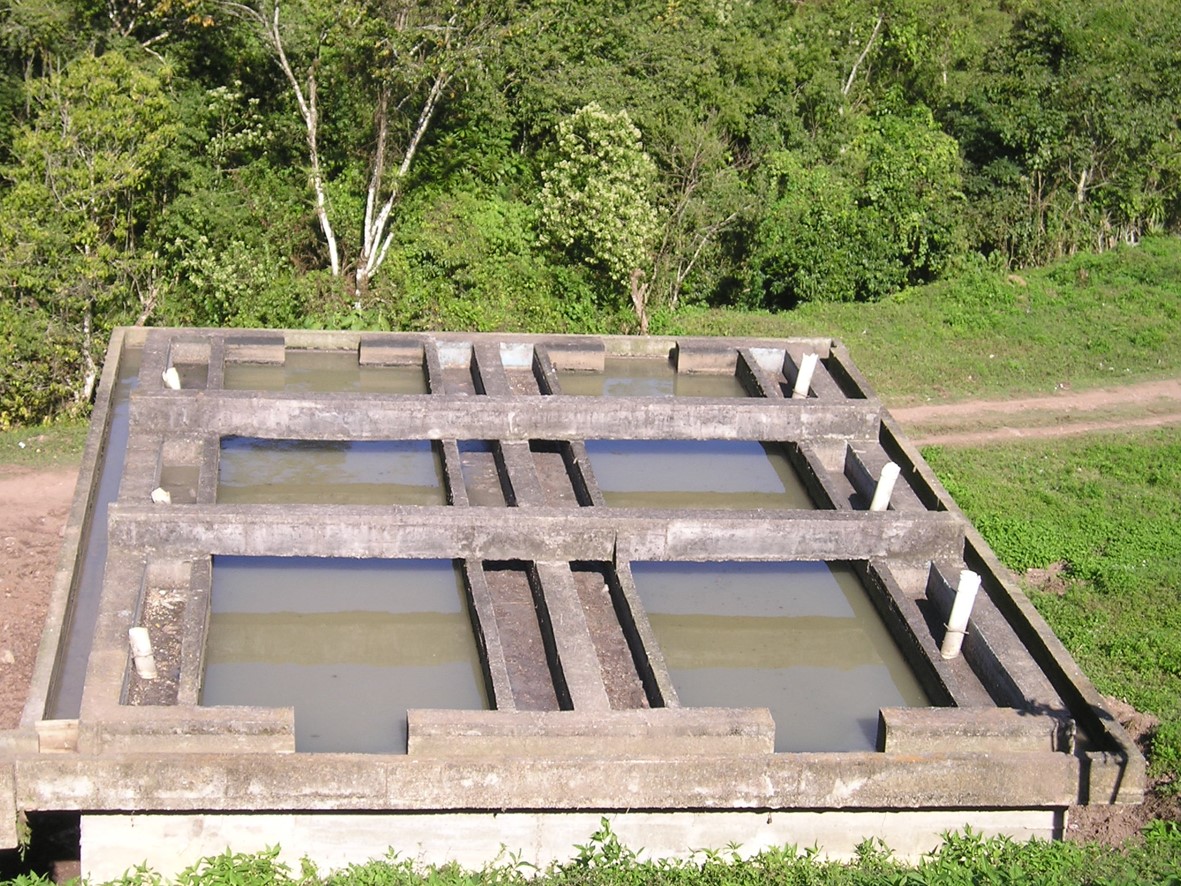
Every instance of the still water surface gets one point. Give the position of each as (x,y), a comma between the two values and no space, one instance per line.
(735,474)
(802,639)
(372,472)
(648,377)
(351,645)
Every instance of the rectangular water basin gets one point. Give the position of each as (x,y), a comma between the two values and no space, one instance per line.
(374,472)
(802,639)
(648,377)
(351,645)
(734,474)
(311,372)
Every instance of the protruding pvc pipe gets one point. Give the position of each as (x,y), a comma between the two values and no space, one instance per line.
(804,378)
(171,378)
(961,611)
(141,651)
(885,487)
(161,496)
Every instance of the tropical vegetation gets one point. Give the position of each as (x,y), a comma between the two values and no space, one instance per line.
(549,165)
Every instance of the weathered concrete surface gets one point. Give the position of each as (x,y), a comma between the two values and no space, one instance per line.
(77,525)
(539,533)
(574,646)
(169,843)
(659,733)
(708,778)
(998,730)
(9,835)
(359,416)
(229,782)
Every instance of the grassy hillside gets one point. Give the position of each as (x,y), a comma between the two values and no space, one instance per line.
(1087,321)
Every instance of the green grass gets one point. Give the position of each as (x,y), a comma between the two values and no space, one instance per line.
(1085,322)
(1109,509)
(963,858)
(45,446)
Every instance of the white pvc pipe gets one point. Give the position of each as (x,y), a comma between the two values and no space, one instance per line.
(141,651)
(961,611)
(161,496)
(804,378)
(885,487)
(171,378)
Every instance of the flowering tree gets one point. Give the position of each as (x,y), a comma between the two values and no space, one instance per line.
(598,199)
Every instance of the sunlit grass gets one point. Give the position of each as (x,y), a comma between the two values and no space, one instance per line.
(45,446)
(1088,321)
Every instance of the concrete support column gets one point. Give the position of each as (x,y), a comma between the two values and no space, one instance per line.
(488,370)
(572,639)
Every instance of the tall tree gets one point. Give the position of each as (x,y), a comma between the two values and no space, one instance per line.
(393,61)
(84,183)
(598,199)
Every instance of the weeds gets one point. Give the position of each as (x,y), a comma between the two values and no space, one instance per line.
(963,858)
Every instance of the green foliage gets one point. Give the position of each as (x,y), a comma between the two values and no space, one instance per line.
(471,262)
(238,869)
(813,245)
(882,216)
(233,285)
(83,187)
(40,363)
(597,196)
(1066,152)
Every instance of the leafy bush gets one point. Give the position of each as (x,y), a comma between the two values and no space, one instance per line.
(471,261)
(40,367)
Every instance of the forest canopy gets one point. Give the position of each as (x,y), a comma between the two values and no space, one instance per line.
(550,165)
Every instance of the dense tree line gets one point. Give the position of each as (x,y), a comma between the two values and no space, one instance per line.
(550,164)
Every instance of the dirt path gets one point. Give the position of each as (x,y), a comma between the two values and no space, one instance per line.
(33,510)
(1137,406)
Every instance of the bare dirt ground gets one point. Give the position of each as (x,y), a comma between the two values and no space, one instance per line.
(1125,407)
(34,506)
(33,510)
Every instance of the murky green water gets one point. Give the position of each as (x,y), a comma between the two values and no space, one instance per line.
(735,474)
(351,645)
(647,377)
(376,472)
(324,372)
(802,639)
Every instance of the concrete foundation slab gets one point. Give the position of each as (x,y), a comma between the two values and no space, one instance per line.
(584,717)
(169,843)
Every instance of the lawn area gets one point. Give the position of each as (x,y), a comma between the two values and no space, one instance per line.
(45,446)
(1088,321)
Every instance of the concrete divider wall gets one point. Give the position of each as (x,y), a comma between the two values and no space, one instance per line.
(993,750)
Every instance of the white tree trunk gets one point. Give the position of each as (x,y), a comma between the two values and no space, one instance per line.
(310,113)
(376,236)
